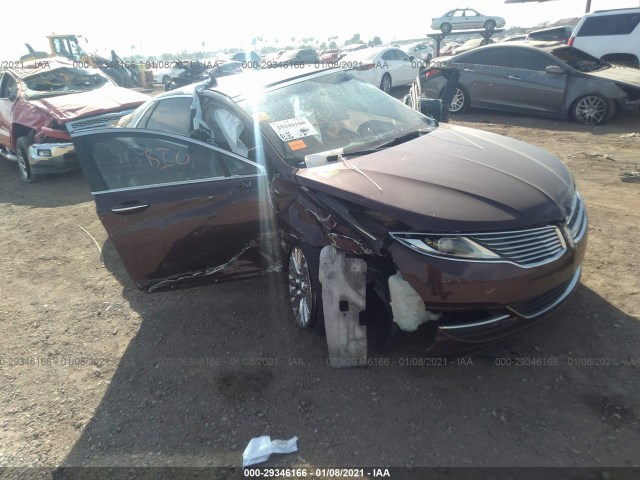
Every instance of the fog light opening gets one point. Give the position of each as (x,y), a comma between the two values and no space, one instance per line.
(44,153)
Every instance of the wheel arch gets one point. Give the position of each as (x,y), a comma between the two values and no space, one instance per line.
(19,130)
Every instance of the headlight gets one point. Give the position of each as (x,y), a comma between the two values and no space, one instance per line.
(445,245)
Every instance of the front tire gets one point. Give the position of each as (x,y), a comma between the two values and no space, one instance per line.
(22,147)
(385,83)
(460,102)
(489,25)
(446,28)
(305,289)
(593,110)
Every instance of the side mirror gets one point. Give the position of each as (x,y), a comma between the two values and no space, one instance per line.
(411,58)
(12,97)
(554,70)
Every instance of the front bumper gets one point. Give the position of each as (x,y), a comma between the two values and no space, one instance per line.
(482,302)
(631,106)
(47,158)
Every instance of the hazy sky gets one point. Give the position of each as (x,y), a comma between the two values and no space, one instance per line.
(152,28)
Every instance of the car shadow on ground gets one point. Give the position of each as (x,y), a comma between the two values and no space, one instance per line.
(621,124)
(55,191)
(211,367)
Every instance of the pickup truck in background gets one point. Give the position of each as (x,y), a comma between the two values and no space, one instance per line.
(40,99)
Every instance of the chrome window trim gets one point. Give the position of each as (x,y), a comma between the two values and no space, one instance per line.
(124,131)
(171,184)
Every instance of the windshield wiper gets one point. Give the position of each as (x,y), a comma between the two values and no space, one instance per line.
(405,138)
(396,141)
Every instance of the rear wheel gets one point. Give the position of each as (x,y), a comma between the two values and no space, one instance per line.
(460,102)
(445,27)
(489,25)
(593,110)
(385,83)
(22,147)
(305,290)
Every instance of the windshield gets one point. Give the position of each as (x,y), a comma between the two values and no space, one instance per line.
(331,112)
(64,80)
(581,61)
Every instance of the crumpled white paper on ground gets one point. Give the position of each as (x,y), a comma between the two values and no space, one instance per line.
(259,449)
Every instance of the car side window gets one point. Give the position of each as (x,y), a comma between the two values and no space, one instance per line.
(133,161)
(492,58)
(237,167)
(229,131)
(8,86)
(388,55)
(170,115)
(528,60)
(400,55)
(622,24)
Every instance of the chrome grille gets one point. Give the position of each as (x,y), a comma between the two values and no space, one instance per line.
(524,247)
(96,121)
(577,219)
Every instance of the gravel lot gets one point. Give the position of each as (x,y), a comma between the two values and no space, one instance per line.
(96,373)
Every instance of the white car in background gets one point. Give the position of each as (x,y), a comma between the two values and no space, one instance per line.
(164,75)
(466,19)
(421,51)
(611,35)
(384,67)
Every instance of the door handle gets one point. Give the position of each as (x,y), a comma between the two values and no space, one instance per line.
(511,77)
(469,70)
(129,207)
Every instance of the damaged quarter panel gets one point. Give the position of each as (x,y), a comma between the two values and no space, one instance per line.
(303,217)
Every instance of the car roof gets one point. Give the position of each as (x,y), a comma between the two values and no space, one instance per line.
(599,13)
(34,67)
(535,45)
(238,86)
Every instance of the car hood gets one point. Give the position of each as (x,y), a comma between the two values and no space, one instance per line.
(453,179)
(628,76)
(106,99)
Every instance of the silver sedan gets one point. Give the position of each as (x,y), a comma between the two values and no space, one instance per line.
(466,19)
(552,80)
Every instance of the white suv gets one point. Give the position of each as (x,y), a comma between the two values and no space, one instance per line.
(612,35)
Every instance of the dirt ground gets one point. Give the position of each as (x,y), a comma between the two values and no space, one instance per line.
(94,372)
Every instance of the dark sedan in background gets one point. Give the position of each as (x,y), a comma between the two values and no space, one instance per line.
(552,80)
(472,234)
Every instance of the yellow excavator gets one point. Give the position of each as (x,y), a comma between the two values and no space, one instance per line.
(125,74)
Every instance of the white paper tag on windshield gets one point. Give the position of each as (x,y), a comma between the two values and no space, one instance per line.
(293,128)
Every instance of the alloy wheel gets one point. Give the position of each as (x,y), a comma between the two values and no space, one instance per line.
(385,85)
(591,110)
(22,164)
(300,287)
(458,101)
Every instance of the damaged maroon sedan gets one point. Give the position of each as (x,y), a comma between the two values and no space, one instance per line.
(470,234)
